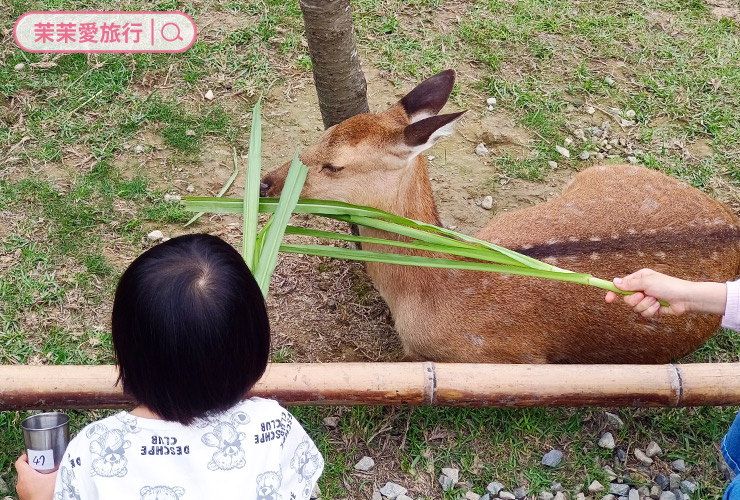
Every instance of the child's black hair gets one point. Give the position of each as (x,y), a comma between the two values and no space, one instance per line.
(190,328)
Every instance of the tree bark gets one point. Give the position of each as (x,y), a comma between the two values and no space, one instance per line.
(340,83)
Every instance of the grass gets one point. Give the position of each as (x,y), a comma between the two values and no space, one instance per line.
(74,212)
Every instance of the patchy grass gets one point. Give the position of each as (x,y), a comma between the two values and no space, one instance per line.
(73,212)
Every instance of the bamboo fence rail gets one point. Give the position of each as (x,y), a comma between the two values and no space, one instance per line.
(66,387)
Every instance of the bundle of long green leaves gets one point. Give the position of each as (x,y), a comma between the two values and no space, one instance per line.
(260,248)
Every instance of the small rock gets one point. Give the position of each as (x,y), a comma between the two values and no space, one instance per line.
(139,149)
(19,67)
(190,188)
(632,159)
(599,156)
(590,110)
(662,481)
(316,493)
(365,464)
(490,107)
(568,141)
(377,495)
(580,496)
(688,486)
(487,203)
(655,491)
(403,497)
(667,495)
(644,491)
(560,495)
(453,474)
(609,80)
(595,131)
(614,420)
(679,465)
(506,495)
(471,495)
(634,494)
(622,498)
(552,458)
(487,496)
(172,198)
(209,95)
(653,450)
(556,487)
(546,495)
(642,457)
(595,487)
(431,157)
(481,150)
(679,494)
(562,151)
(493,488)
(610,473)
(491,101)
(630,113)
(553,164)
(520,493)
(190,132)
(621,455)
(608,497)
(165,239)
(3,487)
(331,422)
(674,481)
(606,441)
(626,123)
(446,482)
(392,490)
(155,235)
(619,489)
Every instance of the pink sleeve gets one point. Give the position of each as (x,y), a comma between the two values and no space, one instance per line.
(731,319)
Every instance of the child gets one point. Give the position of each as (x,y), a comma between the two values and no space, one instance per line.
(688,296)
(191,338)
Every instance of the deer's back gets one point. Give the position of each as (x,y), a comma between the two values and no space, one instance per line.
(610,221)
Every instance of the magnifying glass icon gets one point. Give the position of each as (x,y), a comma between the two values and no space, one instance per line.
(177,37)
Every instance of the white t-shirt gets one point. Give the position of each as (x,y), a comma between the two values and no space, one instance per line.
(256,450)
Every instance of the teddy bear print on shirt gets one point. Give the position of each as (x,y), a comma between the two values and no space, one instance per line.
(129,423)
(228,443)
(108,450)
(69,490)
(268,485)
(161,493)
(306,461)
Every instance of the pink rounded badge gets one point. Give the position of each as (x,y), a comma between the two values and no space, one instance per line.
(93,31)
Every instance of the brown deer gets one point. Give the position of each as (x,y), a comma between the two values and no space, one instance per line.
(610,221)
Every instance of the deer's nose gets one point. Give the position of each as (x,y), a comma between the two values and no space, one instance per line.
(263,188)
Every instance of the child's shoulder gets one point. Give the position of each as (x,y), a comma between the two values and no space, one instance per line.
(261,407)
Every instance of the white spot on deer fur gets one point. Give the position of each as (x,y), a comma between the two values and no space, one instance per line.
(594,238)
(715,256)
(527,246)
(641,254)
(475,339)
(660,255)
(553,241)
(573,238)
(615,236)
(620,255)
(595,256)
(651,231)
(632,230)
(551,260)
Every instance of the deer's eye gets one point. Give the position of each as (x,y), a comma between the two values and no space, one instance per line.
(331,168)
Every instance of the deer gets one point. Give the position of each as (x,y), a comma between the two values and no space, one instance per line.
(610,220)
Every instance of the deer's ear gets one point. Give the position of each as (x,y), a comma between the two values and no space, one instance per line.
(429,96)
(422,135)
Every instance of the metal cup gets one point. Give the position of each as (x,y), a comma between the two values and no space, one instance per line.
(47,436)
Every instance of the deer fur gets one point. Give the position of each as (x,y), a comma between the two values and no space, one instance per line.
(610,221)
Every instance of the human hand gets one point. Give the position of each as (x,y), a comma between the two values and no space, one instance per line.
(33,485)
(682,296)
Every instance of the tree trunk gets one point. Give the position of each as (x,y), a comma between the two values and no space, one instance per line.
(340,83)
